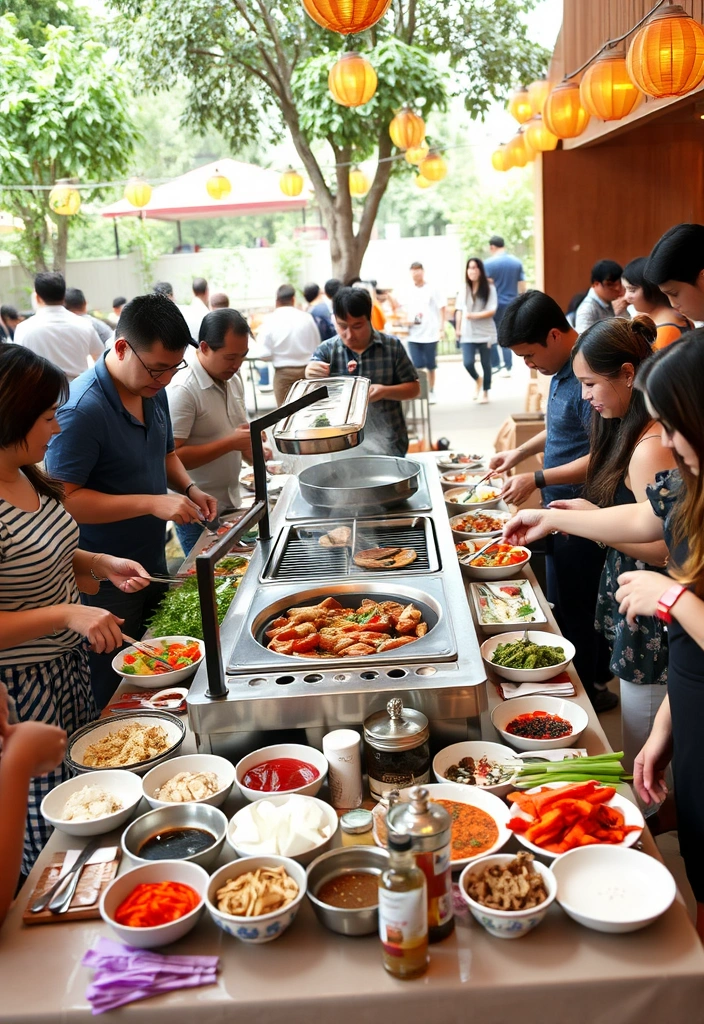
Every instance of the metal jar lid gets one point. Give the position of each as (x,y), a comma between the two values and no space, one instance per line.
(357,821)
(396,728)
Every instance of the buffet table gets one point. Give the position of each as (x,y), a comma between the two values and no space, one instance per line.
(561,973)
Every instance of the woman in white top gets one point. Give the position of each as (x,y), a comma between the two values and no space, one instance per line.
(476,327)
(45,631)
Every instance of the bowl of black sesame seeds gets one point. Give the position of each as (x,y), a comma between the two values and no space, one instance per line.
(539,723)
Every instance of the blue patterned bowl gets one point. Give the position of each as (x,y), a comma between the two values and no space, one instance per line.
(266,927)
(506,924)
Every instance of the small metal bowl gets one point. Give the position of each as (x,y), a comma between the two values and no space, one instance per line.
(188,815)
(346,921)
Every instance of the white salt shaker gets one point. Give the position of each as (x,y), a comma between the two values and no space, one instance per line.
(342,748)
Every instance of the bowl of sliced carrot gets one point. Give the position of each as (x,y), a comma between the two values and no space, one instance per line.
(558,817)
(499,562)
(155,904)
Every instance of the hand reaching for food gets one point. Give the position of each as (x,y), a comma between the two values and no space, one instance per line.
(527,526)
(518,488)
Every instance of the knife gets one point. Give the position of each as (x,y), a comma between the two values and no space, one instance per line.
(45,899)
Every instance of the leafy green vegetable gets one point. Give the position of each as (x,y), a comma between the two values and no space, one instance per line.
(321,421)
(179,611)
(363,617)
(522,654)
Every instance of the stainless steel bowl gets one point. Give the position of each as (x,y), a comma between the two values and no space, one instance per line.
(345,860)
(189,815)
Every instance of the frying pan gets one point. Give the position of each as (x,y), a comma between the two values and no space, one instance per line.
(367,481)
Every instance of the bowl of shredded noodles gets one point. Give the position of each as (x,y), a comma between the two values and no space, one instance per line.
(136,742)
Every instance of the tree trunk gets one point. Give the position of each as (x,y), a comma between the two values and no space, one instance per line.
(60,244)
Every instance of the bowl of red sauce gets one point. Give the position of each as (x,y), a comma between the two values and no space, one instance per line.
(281,769)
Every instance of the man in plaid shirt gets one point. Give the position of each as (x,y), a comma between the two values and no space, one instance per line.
(360,350)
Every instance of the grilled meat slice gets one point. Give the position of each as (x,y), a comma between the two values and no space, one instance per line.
(408,619)
(358,649)
(394,642)
(340,537)
(385,558)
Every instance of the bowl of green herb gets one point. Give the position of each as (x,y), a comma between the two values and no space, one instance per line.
(528,656)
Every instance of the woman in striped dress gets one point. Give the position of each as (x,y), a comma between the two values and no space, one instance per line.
(45,631)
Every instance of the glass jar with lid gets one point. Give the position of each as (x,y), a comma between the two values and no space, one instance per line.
(396,748)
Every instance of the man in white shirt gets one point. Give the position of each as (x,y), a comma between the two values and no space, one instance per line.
(199,306)
(287,338)
(67,340)
(209,416)
(426,322)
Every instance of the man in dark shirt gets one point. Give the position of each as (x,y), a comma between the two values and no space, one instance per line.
(320,311)
(359,350)
(535,328)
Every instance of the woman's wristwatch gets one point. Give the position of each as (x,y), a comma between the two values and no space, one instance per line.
(668,599)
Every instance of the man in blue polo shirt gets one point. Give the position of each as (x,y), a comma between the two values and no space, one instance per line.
(115,456)
(506,272)
(536,329)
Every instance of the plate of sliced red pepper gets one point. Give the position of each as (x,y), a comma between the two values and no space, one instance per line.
(557,817)
(183,654)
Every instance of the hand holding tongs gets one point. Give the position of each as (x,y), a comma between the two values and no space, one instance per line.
(473,488)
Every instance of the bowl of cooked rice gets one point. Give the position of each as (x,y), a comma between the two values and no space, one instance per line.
(136,742)
(83,806)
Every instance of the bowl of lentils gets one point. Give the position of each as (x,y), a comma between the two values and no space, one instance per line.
(539,723)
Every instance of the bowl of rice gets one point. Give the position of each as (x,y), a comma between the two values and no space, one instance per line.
(83,806)
(136,742)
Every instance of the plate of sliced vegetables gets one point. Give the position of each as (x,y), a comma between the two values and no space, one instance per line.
(500,561)
(183,654)
(458,460)
(505,604)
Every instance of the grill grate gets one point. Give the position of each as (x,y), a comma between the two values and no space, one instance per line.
(304,559)
(394,537)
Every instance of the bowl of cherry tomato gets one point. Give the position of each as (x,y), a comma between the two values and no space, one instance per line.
(183,654)
(499,562)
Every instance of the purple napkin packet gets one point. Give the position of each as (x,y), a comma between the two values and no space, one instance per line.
(124,974)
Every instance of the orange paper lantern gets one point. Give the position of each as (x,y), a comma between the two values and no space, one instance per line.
(218,186)
(538,137)
(563,112)
(666,56)
(417,153)
(517,151)
(537,94)
(352,80)
(422,182)
(346,16)
(407,130)
(519,105)
(291,183)
(359,182)
(433,168)
(138,192)
(606,91)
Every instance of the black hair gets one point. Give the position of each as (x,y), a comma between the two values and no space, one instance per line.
(634,273)
(285,294)
(119,301)
(29,386)
(331,287)
(529,318)
(163,288)
(200,286)
(678,255)
(74,299)
(497,241)
(605,347)
(482,283)
(311,291)
(416,266)
(576,301)
(350,282)
(150,318)
(215,325)
(50,286)
(352,302)
(9,313)
(606,270)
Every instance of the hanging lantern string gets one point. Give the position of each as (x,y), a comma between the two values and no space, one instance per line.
(610,43)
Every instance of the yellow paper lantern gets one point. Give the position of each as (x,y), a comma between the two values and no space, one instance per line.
(500,160)
(433,167)
(407,130)
(563,112)
(218,186)
(606,91)
(359,182)
(538,92)
(422,181)
(519,105)
(64,199)
(516,151)
(138,192)
(415,154)
(539,138)
(291,183)
(666,56)
(352,80)
(346,16)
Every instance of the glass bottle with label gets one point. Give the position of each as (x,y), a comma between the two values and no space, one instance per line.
(403,912)
(430,828)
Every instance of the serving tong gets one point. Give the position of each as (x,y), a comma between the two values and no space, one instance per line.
(468,559)
(149,650)
(472,489)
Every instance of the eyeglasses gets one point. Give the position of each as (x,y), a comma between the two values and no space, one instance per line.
(156,374)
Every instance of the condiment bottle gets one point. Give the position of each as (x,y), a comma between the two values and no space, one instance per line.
(429,827)
(342,750)
(403,912)
(397,748)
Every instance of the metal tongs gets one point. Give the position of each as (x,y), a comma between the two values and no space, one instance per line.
(473,488)
(149,650)
(468,559)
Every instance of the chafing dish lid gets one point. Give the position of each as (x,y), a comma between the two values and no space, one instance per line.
(396,728)
(344,411)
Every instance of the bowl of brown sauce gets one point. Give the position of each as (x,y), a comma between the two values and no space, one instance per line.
(188,831)
(343,887)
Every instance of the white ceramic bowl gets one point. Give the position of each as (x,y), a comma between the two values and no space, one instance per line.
(630,811)
(255,929)
(444,461)
(460,533)
(507,924)
(455,505)
(477,749)
(177,816)
(293,750)
(158,682)
(160,871)
(491,572)
(156,778)
(510,709)
(460,476)
(613,889)
(528,675)
(123,785)
(475,797)
(329,813)
(81,739)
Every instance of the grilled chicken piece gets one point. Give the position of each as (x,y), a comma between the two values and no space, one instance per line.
(385,558)
(408,619)
(392,644)
(421,629)
(337,538)
(291,632)
(358,649)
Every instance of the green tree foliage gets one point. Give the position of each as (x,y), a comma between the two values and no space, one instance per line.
(255,67)
(508,211)
(64,113)
(34,15)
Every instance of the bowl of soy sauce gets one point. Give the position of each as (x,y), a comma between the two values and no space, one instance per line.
(188,831)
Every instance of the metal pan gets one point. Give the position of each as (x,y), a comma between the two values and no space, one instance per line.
(368,481)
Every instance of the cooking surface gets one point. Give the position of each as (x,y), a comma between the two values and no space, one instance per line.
(299,509)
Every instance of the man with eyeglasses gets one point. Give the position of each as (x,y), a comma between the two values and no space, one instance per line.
(116,458)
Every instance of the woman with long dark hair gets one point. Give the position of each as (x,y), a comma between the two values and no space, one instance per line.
(646,298)
(671,382)
(476,329)
(43,625)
